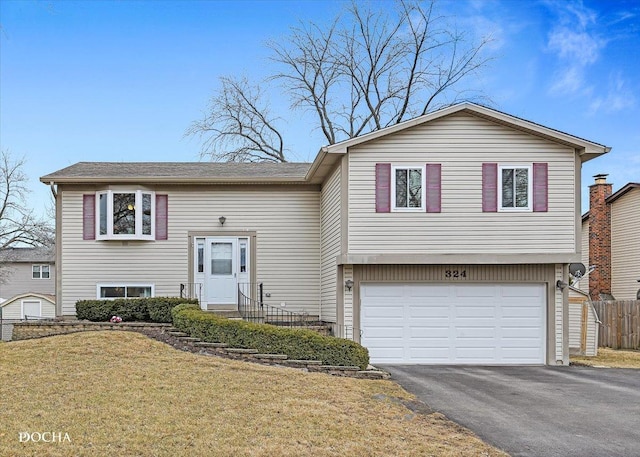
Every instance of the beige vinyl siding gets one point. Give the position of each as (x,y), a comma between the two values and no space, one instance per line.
(577,307)
(330,244)
(584,283)
(625,245)
(20,280)
(461,143)
(546,274)
(12,310)
(575,323)
(285,219)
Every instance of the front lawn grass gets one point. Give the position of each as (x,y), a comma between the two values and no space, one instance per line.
(123,394)
(611,358)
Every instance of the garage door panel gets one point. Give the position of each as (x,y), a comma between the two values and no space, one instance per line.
(432,294)
(475,291)
(429,332)
(385,332)
(475,332)
(454,323)
(524,312)
(525,291)
(383,290)
(385,312)
(424,310)
(475,311)
(510,343)
(520,332)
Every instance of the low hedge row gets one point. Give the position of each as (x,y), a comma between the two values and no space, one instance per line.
(155,309)
(298,344)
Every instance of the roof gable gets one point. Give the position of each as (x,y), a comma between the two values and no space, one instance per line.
(588,149)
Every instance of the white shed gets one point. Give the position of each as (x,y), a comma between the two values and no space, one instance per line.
(25,306)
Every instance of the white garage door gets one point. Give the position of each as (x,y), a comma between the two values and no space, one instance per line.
(454,324)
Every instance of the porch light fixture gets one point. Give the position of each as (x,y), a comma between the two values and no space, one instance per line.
(348,284)
(222,220)
(561,284)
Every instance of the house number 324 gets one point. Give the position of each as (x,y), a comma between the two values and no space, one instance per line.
(455,274)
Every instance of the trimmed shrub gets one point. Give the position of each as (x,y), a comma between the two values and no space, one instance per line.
(153,309)
(299,344)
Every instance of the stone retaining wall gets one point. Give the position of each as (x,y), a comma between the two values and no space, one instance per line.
(167,334)
(29,330)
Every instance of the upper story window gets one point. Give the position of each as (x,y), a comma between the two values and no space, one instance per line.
(515,188)
(40,271)
(125,215)
(408,188)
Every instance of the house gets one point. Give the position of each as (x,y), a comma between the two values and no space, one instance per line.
(27,286)
(26,269)
(611,241)
(445,239)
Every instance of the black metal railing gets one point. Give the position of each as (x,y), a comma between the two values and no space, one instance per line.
(191,290)
(252,308)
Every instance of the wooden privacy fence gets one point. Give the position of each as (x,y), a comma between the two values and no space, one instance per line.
(620,327)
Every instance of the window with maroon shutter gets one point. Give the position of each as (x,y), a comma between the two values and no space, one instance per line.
(383,187)
(162,228)
(433,184)
(540,187)
(489,187)
(89,217)
(124,215)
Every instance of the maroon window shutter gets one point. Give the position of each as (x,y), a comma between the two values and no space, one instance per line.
(434,193)
(383,187)
(162,227)
(489,187)
(540,187)
(89,217)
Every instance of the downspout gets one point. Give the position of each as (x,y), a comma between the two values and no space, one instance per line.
(53,190)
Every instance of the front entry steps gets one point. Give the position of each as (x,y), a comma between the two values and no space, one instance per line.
(183,341)
(228,311)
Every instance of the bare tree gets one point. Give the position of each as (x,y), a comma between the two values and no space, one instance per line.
(238,126)
(18,223)
(370,68)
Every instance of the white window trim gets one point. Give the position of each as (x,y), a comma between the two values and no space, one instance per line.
(40,265)
(121,284)
(138,204)
(529,207)
(423,198)
(33,301)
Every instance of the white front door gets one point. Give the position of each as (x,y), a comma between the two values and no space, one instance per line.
(221,283)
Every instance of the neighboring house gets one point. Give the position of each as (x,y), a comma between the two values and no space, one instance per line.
(445,239)
(611,241)
(26,269)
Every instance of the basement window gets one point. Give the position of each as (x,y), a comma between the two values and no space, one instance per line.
(113,291)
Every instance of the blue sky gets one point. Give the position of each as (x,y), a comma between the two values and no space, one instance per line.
(122,80)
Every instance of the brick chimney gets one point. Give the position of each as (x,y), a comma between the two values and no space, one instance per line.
(600,239)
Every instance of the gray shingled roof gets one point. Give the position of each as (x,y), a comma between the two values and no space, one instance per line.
(201,172)
(28,255)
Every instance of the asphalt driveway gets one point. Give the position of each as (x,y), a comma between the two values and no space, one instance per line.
(536,411)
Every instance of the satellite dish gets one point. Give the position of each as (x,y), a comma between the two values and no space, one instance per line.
(577,270)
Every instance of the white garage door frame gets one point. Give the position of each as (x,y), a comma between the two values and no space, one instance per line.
(474,323)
